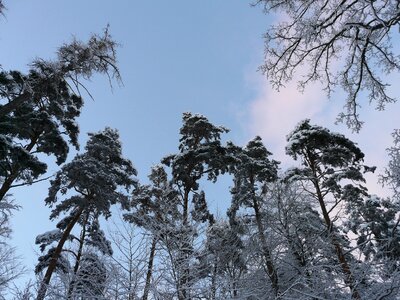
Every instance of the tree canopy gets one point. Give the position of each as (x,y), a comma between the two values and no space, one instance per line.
(337,42)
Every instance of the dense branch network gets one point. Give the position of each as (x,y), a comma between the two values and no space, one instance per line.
(338,42)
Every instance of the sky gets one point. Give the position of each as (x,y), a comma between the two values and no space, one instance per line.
(174,57)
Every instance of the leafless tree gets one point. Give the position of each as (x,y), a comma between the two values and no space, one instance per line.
(339,42)
(127,266)
(10,264)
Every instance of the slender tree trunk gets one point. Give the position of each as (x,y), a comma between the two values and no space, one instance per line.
(78,258)
(214,280)
(53,262)
(5,187)
(273,275)
(184,293)
(235,292)
(150,268)
(349,279)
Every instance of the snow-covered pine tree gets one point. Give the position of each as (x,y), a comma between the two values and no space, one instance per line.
(91,236)
(375,221)
(332,167)
(38,110)
(253,171)
(90,184)
(200,155)
(90,278)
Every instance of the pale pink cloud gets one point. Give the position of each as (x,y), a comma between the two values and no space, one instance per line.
(272,115)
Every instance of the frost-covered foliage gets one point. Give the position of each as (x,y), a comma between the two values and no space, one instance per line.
(253,170)
(312,232)
(346,43)
(282,240)
(376,222)
(155,208)
(200,155)
(10,265)
(392,176)
(38,110)
(224,260)
(90,278)
(200,152)
(90,184)
(306,266)
(126,269)
(332,170)
(95,176)
(331,163)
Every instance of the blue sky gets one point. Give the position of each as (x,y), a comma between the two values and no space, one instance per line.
(175,56)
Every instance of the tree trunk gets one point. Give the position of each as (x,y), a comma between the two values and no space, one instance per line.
(214,280)
(265,249)
(349,279)
(5,187)
(78,258)
(150,268)
(184,293)
(13,105)
(53,262)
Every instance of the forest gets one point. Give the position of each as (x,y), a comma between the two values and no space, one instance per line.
(309,231)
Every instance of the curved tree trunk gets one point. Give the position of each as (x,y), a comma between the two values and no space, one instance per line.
(349,279)
(53,262)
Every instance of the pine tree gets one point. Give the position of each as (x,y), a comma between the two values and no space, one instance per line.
(375,221)
(38,110)
(200,154)
(332,166)
(91,278)
(252,173)
(90,183)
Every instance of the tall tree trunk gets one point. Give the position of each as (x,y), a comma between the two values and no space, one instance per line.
(273,275)
(150,268)
(53,262)
(184,293)
(78,258)
(214,280)
(349,279)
